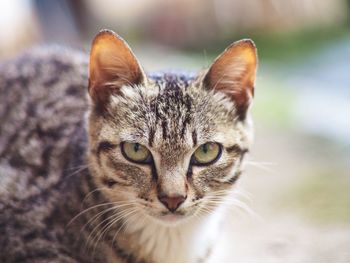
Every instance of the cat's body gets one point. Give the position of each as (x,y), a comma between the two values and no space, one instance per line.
(43,144)
(57,205)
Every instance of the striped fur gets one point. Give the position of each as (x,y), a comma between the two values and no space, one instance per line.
(60,172)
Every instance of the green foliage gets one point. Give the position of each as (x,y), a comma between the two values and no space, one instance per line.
(273,103)
(287,47)
(291,47)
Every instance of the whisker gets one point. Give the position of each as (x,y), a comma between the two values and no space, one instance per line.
(96,228)
(91,192)
(125,222)
(116,216)
(91,208)
(95,217)
(235,203)
(77,167)
(109,225)
(76,172)
(262,165)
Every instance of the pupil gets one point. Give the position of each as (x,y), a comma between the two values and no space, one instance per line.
(136,147)
(205,148)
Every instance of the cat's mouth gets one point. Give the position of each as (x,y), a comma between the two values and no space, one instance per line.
(171,217)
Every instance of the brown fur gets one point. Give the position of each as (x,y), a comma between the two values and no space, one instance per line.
(67,192)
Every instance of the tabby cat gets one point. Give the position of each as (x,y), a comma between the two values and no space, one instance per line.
(138,170)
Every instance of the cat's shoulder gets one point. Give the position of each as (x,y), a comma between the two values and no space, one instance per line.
(43,67)
(43,101)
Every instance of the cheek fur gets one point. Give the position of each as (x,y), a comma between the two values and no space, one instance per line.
(139,178)
(211,178)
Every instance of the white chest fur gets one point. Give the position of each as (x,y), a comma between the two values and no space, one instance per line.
(183,243)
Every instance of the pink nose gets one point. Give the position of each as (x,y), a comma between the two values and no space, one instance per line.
(172,202)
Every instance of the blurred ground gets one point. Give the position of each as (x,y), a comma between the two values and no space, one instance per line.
(301,199)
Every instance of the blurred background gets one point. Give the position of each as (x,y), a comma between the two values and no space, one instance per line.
(297,182)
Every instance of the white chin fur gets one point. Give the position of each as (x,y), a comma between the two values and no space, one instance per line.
(174,239)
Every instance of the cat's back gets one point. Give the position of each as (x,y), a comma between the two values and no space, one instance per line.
(43,142)
(42,104)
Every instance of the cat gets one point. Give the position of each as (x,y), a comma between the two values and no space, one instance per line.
(101,162)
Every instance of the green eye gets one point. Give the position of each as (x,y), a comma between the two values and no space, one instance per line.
(136,152)
(207,153)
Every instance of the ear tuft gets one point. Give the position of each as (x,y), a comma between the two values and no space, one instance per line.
(112,65)
(233,73)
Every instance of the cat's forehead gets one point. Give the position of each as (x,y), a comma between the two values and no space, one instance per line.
(172,111)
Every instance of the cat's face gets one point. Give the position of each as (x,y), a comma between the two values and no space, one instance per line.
(169,147)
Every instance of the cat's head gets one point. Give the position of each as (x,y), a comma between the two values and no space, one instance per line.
(168,146)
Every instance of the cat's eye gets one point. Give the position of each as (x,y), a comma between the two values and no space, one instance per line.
(136,152)
(206,154)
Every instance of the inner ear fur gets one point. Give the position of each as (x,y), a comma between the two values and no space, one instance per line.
(234,73)
(112,65)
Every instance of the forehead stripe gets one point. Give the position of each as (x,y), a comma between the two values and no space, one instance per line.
(151,136)
(194,138)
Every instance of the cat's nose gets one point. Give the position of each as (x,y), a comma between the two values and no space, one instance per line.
(172,202)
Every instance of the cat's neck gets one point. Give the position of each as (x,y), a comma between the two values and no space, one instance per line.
(186,242)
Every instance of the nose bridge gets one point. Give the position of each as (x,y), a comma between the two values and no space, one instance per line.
(171,178)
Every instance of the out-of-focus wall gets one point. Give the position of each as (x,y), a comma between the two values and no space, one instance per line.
(18,26)
(187,22)
(177,23)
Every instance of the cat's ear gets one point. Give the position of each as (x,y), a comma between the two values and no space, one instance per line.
(233,73)
(112,65)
